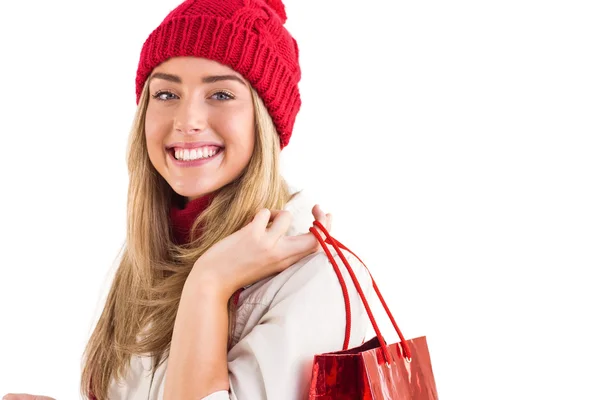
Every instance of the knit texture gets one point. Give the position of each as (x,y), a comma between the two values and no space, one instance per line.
(182,218)
(245,35)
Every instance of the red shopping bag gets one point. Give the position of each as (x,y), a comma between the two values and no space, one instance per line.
(376,370)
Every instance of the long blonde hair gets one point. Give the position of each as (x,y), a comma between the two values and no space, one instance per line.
(141,306)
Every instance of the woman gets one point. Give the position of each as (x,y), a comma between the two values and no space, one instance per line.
(221,292)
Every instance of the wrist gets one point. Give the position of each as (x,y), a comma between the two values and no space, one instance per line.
(207,283)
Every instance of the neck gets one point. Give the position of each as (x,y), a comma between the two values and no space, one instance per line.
(184,211)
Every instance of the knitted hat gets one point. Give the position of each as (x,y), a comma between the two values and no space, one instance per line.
(247,36)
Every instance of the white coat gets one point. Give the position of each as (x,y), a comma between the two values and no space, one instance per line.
(282,323)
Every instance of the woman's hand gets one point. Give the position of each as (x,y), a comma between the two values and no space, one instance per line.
(256,251)
(23,396)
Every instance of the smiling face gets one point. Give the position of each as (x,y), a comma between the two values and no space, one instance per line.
(199,124)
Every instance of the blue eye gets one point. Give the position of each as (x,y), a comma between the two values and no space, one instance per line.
(163,95)
(222,96)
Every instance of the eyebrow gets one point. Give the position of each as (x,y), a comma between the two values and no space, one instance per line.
(206,79)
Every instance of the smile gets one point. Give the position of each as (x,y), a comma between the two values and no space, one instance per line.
(195,154)
(194,157)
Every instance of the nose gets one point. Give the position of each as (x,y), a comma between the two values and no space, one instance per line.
(191,117)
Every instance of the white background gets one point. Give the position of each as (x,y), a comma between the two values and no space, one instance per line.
(456,144)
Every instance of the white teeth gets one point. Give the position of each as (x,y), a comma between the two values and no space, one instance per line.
(194,154)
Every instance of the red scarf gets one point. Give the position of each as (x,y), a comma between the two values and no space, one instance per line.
(182,218)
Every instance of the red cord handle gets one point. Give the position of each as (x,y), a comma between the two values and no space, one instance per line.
(336,244)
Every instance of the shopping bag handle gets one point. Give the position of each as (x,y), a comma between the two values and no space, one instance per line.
(336,245)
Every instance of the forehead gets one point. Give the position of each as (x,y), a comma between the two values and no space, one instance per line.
(194,67)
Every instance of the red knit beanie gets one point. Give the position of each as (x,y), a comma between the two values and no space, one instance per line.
(247,36)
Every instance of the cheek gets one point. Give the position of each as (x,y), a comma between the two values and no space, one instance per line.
(156,128)
(237,127)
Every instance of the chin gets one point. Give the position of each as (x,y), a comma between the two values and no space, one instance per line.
(194,190)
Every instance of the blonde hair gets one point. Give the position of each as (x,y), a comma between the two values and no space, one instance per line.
(142,303)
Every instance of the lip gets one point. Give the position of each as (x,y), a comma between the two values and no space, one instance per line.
(195,163)
(193,145)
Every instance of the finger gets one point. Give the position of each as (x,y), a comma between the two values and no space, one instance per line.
(329,222)
(300,245)
(306,244)
(318,213)
(274,214)
(261,219)
(324,219)
(288,262)
(281,224)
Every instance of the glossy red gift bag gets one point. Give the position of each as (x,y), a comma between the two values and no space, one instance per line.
(376,370)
